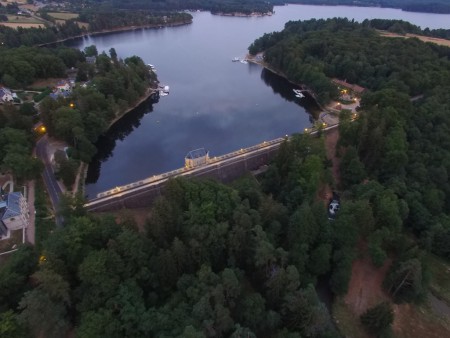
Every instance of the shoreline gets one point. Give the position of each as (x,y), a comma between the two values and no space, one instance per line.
(148,93)
(115,30)
(251,58)
(243,15)
(81,175)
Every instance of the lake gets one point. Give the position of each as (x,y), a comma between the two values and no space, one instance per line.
(213,102)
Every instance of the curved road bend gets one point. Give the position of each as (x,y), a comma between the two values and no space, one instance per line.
(48,175)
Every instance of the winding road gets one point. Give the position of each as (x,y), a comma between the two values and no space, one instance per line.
(48,175)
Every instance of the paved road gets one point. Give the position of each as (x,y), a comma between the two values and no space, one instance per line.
(48,175)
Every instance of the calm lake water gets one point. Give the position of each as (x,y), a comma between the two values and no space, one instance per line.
(213,102)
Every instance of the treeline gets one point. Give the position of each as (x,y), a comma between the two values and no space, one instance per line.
(19,67)
(215,6)
(98,20)
(424,6)
(313,51)
(17,142)
(10,37)
(113,86)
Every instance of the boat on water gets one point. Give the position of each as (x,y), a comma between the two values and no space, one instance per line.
(163,93)
(244,61)
(298,93)
(236,59)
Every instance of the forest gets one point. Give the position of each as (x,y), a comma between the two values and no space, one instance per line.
(313,51)
(398,140)
(214,6)
(212,260)
(111,86)
(260,6)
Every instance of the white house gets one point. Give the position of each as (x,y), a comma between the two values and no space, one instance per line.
(63,86)
(6,95)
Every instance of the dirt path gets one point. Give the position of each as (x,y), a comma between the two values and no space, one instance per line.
(331,139)
(365,287)
(30,232)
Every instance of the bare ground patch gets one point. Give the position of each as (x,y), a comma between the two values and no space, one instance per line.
(365,287)
(331,139)
(438,41)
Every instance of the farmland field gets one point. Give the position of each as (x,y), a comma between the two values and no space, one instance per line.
(21,24)
(63,16)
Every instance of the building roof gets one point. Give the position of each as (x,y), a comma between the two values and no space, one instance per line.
(354,87)
(196,153)
(12,208)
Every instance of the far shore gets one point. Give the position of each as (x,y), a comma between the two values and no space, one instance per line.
(114,30)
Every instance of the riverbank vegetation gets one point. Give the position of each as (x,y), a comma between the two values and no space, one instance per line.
(106,88)
(394,156)
(314,51)
(111,86)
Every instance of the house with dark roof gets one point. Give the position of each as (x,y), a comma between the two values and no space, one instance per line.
(196,158)
(13,212)
(353,87)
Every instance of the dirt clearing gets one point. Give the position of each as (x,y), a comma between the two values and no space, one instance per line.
(442,42)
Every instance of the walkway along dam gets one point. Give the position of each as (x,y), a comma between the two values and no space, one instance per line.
(225,168)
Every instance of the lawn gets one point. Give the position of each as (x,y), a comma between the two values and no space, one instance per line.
(23,19)
(346,321)
(440,277)
(63,15)
(15,239)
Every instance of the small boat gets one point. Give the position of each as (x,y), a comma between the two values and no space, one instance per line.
(300,95)
(244,61)
(236,59)
(163,93)
(297,91)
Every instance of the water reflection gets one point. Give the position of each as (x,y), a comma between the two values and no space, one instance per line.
(284,88)
(118,131)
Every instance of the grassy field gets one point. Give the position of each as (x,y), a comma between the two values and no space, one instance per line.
(23,19)
(440,277)
(348,324)
(15,239)
(63,16)
(23,25)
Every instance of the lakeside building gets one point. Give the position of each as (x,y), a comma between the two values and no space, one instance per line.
(353,87)
(196,158)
